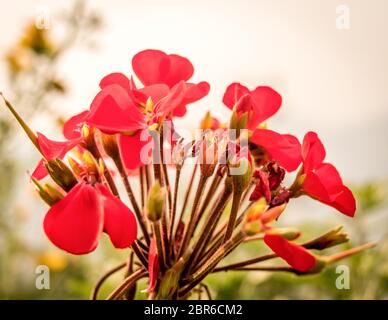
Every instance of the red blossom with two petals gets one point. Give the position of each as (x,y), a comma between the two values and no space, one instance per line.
(262,103)
(75,223)
(322,180)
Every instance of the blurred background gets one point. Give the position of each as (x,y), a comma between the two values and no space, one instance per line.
(327,58)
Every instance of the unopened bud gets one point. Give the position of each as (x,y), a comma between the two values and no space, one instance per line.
(209,122)
(241,172)
(272,213)
(240,114)
(253,228)
(287,233)
(169,284)
(256,210)
(155,202)
(331,238)
(47,194)
(61,174)
(109,142)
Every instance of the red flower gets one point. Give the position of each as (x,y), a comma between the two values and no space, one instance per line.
(76,222)
(154,67)
(260,104)
(73,126)
(283,148)
(295,255)
(322,180)
(51,150)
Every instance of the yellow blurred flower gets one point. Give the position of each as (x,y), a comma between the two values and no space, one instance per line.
(55,260)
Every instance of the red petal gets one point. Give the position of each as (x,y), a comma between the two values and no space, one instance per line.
(295,255)
(313,151)
(40,171)
(174,99)
(151,66)
(266,102)
(119,221)
(180,69)
(345,202)
(116,78)
(325,185)
(283,148)
(194,93)
(131,148)
(233,93)
(55,149)
(72,127)
(75,223)
(153,266)
(113,111)
(155,91)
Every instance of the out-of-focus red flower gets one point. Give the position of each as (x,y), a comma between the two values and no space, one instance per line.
(282,148)
(51,150)
(322,180)
(154,67)
(153,266)
(295,255)
(75,223)
(260,103)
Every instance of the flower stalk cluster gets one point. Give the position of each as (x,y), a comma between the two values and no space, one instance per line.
(236,192)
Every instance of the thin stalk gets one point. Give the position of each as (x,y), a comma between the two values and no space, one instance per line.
(173,209)
(131,196)
(141,181)
(233,215)
(103,278)
(189,230)
(130,294)
(193,280)
(208,228)
(129,281)
(187,195)
(245,263)
(139,254)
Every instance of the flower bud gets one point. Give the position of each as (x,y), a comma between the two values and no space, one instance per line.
(253,228)
(240,114)
(155,202)
(48,194)
(272,213)
(256,210)
(209,122)
(208,154)
(169,284)
(240,169)
(109,142)
(287,233)
(61,174)
(330,239)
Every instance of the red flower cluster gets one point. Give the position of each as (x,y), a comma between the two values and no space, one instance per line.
(85,201)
